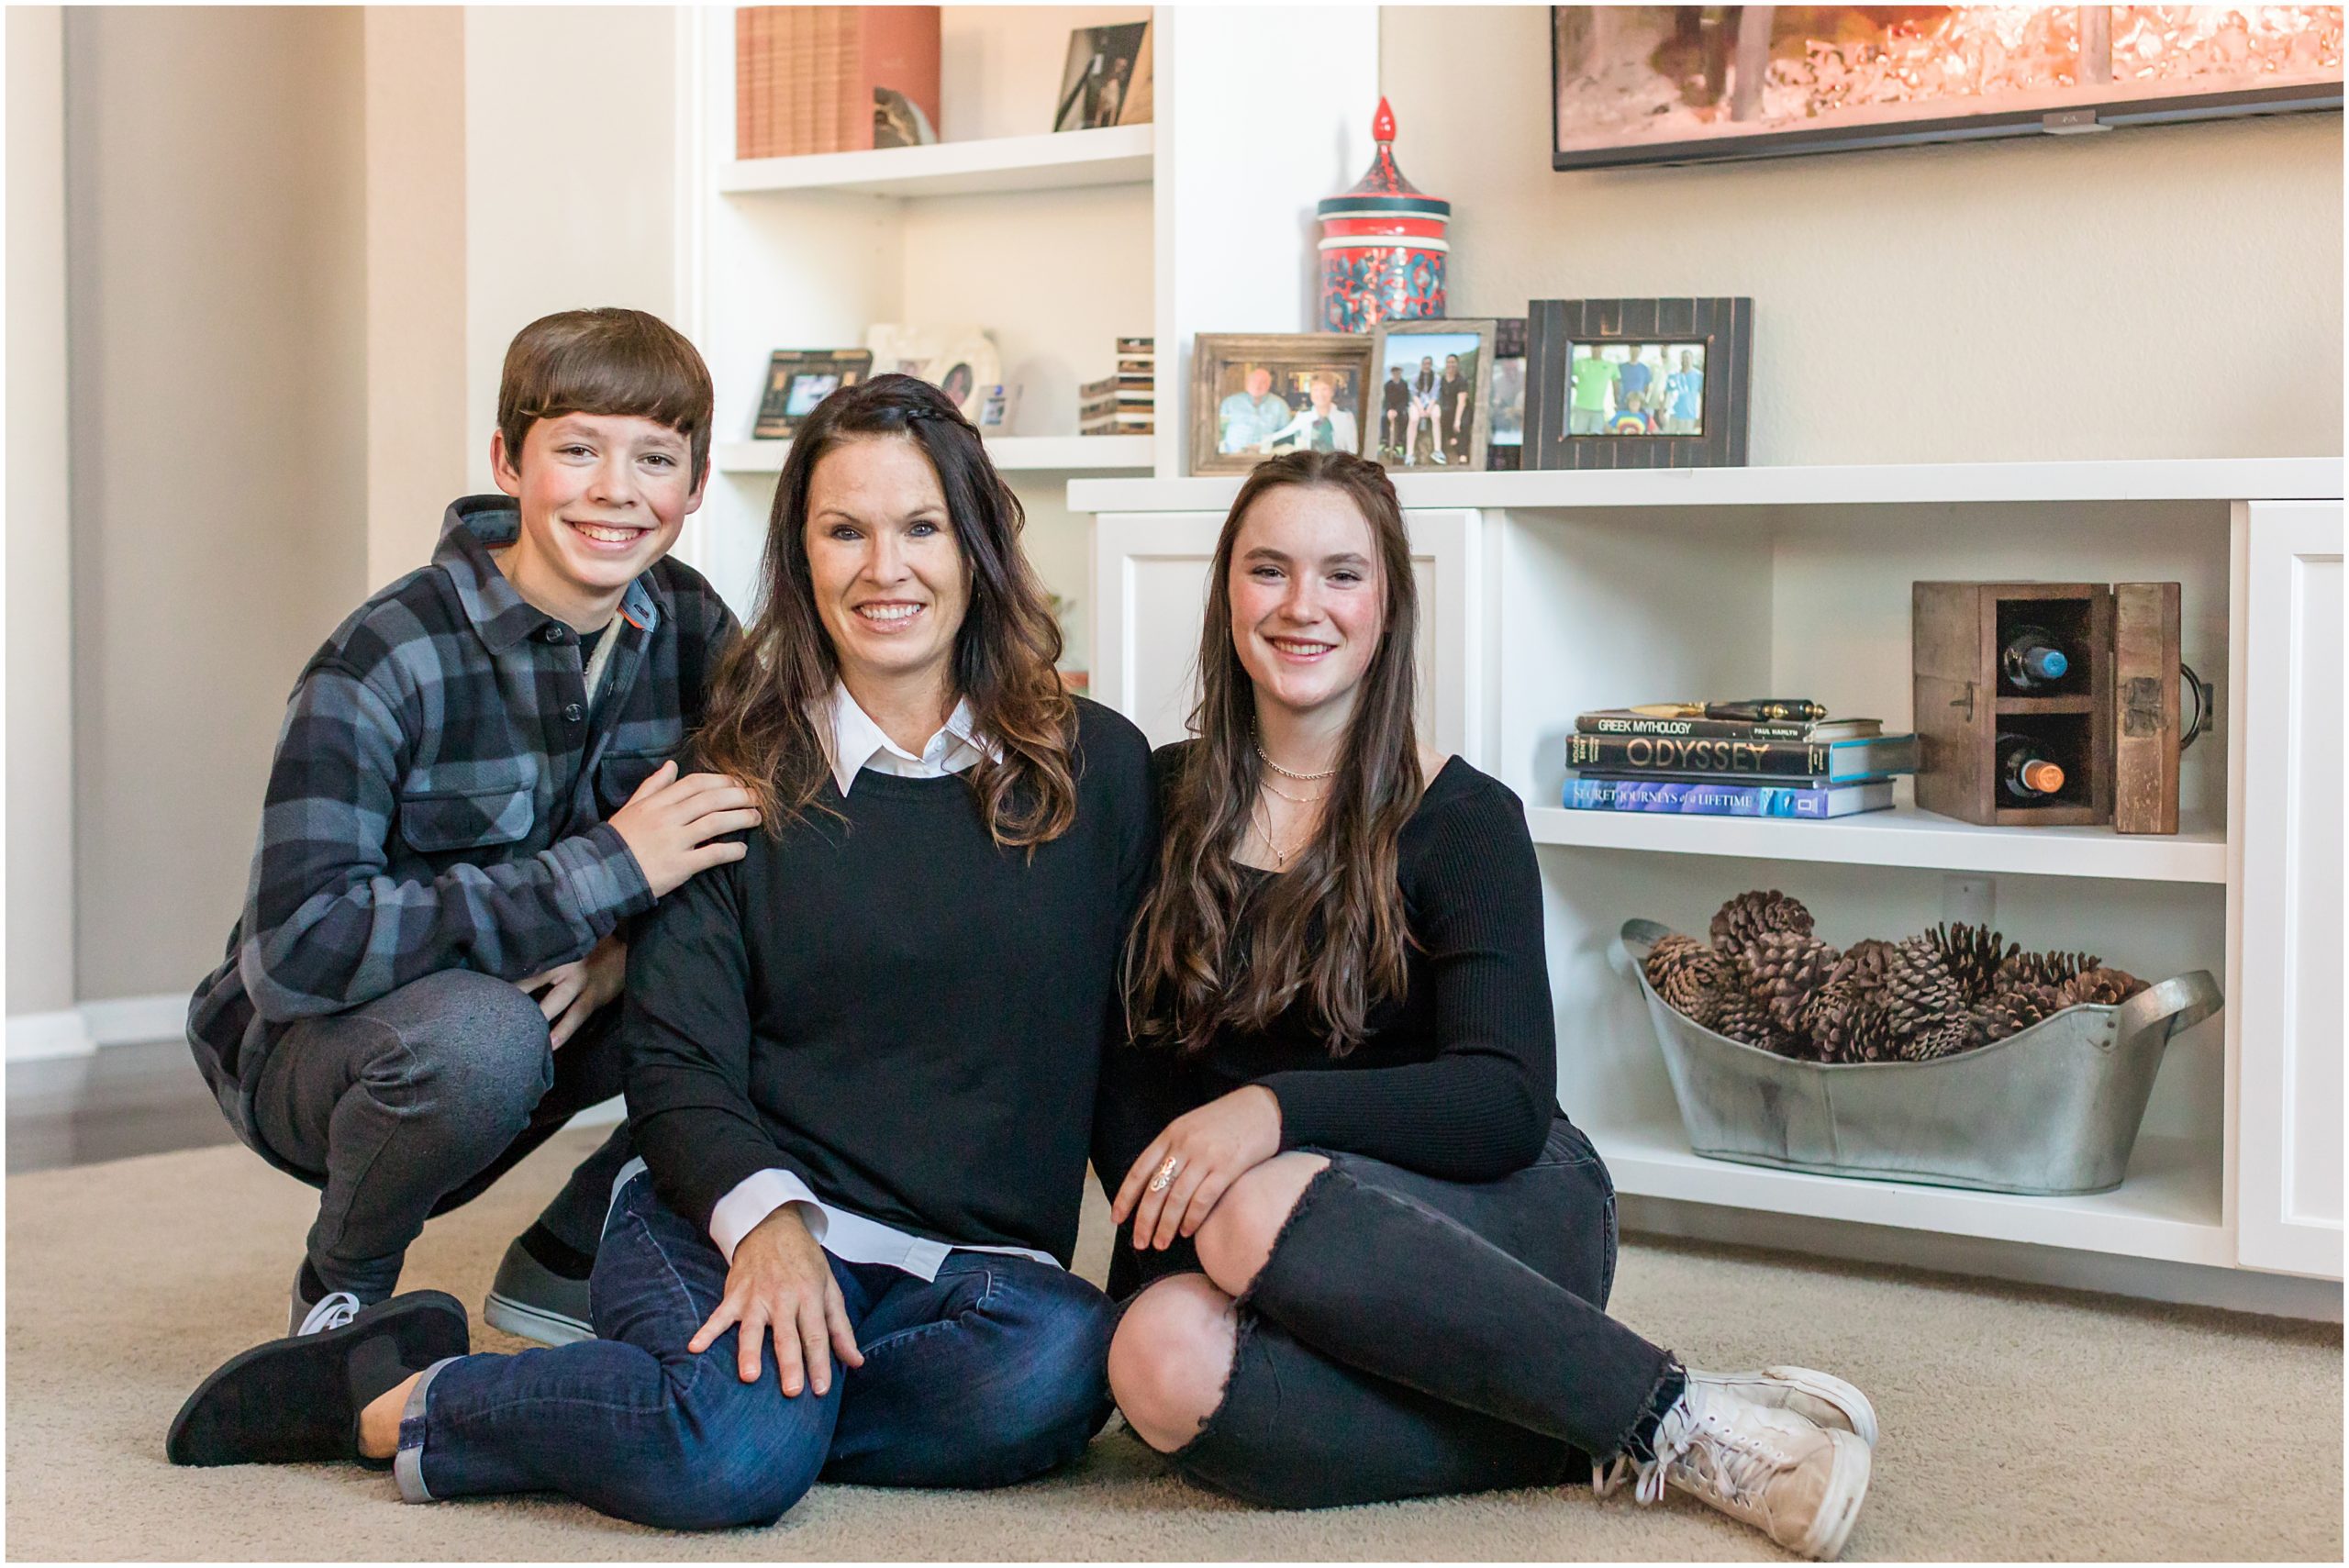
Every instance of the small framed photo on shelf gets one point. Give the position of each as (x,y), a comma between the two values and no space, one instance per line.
(1107,81)
(1506,400)
(959,360)
(1256,396)
(798,379)
(1433,399)
(1637,383)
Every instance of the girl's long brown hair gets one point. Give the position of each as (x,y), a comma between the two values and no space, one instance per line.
(1204,955)
(780,672)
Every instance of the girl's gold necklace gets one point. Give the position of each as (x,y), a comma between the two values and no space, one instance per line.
(1280,856)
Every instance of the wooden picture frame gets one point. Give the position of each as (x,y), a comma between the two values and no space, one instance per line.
(1560,435)
(1223,365)
(799,379)
(1412,418)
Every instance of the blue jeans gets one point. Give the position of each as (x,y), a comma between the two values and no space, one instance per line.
(993,1373)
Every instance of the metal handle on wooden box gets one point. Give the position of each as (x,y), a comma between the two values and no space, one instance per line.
(2202,706)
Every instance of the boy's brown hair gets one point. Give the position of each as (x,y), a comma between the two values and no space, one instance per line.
(606,360)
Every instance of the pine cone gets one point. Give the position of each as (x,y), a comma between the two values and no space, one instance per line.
(2014,1009)
(2042,969)
(1744,1017)
(1843,1024)
(2101,987)
(1919,993)
(1747,916)
(1863,966)
(1942,1039)
(1975,955)
(1782,969)
(1679,967)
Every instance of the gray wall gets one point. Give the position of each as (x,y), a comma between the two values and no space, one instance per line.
(2169,291)
(215,245)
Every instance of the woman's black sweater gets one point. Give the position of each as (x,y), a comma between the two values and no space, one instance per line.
(886,1004)
(1457,1077)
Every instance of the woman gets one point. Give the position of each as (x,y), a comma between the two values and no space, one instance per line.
(861,1060)
(1372,1254)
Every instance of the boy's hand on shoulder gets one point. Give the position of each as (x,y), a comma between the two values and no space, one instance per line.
(575,990)
(669,822)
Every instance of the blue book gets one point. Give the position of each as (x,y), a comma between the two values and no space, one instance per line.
(1702,799)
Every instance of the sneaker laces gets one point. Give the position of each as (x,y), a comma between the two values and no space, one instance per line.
(336,1309)
(1727,1467)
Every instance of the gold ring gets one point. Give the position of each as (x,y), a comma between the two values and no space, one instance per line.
(1158,1183)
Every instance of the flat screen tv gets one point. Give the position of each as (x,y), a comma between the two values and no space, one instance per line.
(1701,83)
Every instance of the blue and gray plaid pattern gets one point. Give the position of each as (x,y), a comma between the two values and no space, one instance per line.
(441,790)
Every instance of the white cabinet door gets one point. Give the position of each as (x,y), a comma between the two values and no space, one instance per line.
(2286,1001)
(1150,578)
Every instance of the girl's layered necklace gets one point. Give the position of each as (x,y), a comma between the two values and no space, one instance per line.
(1257,817)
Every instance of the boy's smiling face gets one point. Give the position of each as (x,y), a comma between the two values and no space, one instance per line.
(603,497)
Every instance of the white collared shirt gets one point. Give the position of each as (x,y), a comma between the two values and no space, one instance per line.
(856,743)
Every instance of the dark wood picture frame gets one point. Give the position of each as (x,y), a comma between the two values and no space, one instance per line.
(1554,326)
(1282,352)
(1486,330)
(786,368)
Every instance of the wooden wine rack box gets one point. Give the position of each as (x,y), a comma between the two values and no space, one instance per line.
(1957,631)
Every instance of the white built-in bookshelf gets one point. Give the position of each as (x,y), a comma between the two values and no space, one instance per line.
(1548,594)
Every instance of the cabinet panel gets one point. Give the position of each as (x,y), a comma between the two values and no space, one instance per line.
(2288,1000)
(1150,576)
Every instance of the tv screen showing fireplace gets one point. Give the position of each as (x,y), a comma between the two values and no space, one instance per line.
(1699,84)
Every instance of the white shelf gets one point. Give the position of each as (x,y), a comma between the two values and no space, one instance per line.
(2178,479)
(1034,454)
(1902,836)
(2169,1206)
(1116,155)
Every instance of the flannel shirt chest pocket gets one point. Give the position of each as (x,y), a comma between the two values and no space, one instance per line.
(638,748)
(461,807)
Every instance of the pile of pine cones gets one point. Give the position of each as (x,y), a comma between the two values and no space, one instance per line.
(1768,980)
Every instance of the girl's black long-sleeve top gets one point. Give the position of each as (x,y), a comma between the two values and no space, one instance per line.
(1456,1077)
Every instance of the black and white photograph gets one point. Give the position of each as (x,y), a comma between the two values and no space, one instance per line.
(1431,393)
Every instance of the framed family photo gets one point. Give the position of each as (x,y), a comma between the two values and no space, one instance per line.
(1637,383)
(1431,404)
(1256,396)
(798,379)
(960,362)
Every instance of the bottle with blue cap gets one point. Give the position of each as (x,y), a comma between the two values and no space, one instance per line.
(2032,659)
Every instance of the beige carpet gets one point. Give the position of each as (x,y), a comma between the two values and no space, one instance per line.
(2017,1424)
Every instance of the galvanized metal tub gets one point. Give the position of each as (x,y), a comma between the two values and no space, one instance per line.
(2052,1110)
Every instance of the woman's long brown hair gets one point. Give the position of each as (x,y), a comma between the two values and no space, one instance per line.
(761,727)
(1205,954)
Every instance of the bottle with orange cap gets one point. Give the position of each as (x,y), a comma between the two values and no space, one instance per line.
(2025,771)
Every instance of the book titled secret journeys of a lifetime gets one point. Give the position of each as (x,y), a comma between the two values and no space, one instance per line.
(1703,756)
(1632,721)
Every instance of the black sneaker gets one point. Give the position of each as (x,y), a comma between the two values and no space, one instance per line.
(296,1400)
(530,1299)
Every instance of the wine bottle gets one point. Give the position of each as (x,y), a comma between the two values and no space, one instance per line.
(2032,659)
(2025,772)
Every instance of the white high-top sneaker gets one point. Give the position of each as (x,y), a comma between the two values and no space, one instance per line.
(1799,1482)
(1816,1396)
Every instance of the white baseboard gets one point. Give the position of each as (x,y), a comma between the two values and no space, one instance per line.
(45,1037)
(81,1029)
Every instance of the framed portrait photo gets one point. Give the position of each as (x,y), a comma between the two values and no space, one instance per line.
(1506,402)
(1256,396)
(960,362)
(798,379)
(1431,410)
(1637,383)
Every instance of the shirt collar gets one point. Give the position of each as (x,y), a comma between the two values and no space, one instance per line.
(476,525)
(854,739)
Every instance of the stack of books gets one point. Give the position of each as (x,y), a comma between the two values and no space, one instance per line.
(834,78)
(1125,404)
(1733,759)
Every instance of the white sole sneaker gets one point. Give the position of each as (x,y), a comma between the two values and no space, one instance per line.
(1840,1403)
(527,1322)
(1838,1509)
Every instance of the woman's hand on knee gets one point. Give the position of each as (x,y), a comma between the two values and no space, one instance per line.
(781,1282)
(1175,1184)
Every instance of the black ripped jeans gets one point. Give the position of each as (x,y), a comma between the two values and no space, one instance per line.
(1410,1336)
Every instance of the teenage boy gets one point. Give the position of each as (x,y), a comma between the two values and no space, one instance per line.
(470,799)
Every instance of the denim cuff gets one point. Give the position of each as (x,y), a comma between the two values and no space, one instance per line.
(407,1466)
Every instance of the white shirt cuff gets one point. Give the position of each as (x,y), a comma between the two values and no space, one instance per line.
(756,1196)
